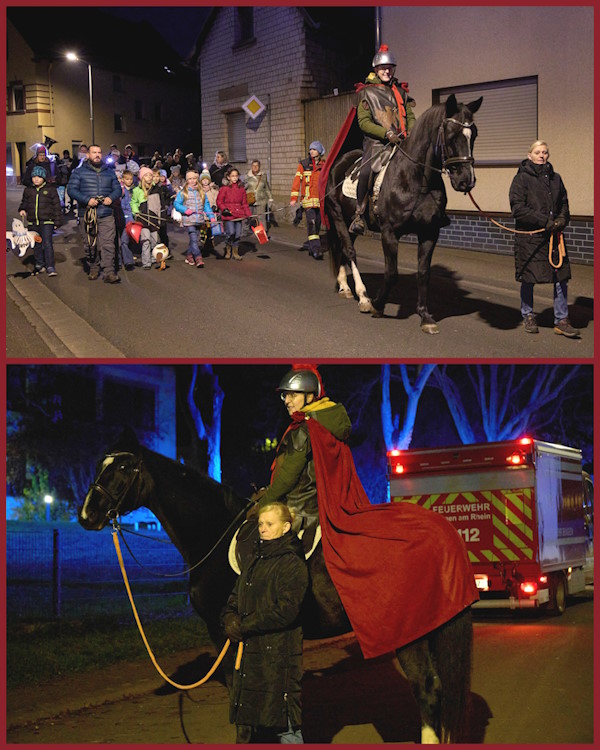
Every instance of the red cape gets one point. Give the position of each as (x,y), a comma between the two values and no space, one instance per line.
(400,570)
(331,157)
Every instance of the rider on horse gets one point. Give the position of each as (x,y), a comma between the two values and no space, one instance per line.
(293,479)
(385,115)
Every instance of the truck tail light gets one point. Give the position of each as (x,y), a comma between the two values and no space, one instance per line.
(525,441)
(398,469)
(516,459)
(529,587)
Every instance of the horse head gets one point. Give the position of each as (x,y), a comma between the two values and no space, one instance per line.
(456,138)
(117,487)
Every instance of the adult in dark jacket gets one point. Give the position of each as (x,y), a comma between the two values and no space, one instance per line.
(538,200)
(263,611)
(39,160)
(219,169)
(90,181)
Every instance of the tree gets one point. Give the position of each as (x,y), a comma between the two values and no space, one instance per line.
(398,435)
(501,402)
(208,429)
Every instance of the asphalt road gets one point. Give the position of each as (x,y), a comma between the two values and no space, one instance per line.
(532,683)
(279,303)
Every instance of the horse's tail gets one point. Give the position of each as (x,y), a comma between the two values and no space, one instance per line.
(453,651)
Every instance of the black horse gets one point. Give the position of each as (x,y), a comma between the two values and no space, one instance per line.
(197,512)
(412,199)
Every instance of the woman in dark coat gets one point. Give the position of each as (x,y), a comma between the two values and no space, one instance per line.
(538,200)
(263,611)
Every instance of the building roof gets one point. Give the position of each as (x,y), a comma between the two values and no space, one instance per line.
(99,38)
(341,22)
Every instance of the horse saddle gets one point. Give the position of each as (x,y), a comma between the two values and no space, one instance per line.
(350,184)
(241,548)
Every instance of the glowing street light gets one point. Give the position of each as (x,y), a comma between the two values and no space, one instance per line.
(72,57)
(48,499)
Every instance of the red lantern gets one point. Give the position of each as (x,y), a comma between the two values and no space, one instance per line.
(261,234)
(134,230)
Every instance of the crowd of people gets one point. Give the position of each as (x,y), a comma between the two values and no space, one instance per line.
(124,207)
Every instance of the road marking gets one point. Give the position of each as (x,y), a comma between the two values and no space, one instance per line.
(43,309)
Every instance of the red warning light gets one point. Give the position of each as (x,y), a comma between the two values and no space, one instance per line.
(399,469)
(526,441)
(394,452)
(516,459)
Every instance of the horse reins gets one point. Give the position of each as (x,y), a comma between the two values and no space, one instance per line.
(113,514)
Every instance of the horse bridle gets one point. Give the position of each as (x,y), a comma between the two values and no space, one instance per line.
(113,513)
(441,144)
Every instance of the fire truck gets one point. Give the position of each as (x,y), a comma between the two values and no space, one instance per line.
(524,509)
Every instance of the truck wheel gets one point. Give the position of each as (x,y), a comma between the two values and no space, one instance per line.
(558,601)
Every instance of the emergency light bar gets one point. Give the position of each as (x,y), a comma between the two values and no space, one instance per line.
(509,452)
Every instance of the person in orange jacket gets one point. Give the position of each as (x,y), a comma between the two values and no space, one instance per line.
(306,188)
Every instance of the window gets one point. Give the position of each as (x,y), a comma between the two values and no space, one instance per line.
(16,97)
(139,109)
(119,123)
(117,83)
(244,25)
(506,121)
(236,136)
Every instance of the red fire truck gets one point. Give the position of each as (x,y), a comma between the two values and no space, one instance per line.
(523,507)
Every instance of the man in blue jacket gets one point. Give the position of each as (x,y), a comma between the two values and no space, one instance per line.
(95,187)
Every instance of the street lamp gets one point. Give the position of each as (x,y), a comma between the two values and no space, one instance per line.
(72,57)
(48,499)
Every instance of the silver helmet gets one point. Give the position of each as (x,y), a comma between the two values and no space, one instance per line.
(301,381)
(383,56)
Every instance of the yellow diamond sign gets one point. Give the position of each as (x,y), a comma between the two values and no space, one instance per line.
(253,107)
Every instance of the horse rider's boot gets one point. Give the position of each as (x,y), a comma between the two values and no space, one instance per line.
(236,255)
(358,225)
(227,251)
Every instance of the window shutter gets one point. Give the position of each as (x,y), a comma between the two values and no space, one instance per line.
(236,136)
(506,121)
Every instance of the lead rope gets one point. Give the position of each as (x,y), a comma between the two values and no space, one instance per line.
(219,659)
(561,242)
(561,250)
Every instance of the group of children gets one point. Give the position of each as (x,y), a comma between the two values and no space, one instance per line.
(192,204)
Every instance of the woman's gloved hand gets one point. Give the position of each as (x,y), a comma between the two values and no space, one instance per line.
(232,624)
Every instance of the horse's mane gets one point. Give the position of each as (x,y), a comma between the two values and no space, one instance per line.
(194,483)
(425,123)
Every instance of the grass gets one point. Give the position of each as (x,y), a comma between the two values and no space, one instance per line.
(40,651)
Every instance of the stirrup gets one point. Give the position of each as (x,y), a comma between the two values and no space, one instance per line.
(358,225)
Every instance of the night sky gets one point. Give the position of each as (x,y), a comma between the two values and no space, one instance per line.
(180,26)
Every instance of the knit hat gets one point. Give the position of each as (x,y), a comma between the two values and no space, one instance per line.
(205,175)
(38,172)
(40,150)
(318,146)
(175,168)
(143,171)
(163,172)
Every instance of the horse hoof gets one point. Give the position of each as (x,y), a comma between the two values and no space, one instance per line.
(376,313)
(429,328)
(346,293)
(365,306)
(428,736)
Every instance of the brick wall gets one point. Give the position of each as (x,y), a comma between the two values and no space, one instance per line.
(475,232)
